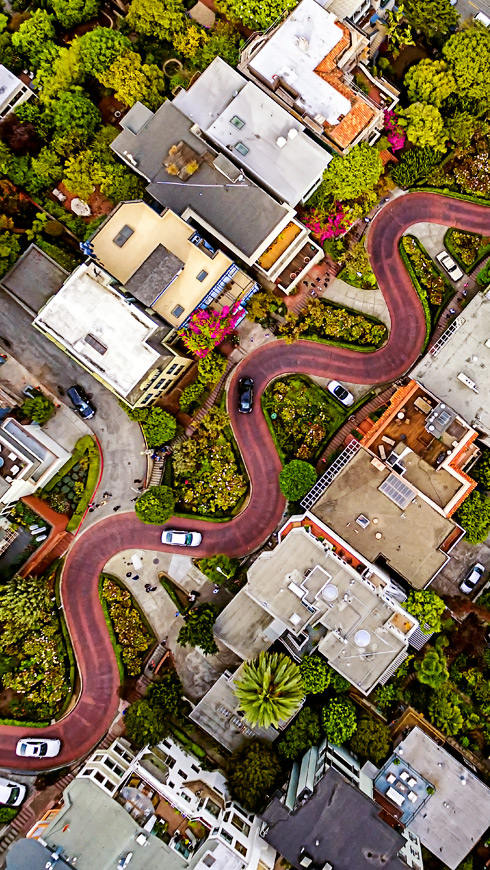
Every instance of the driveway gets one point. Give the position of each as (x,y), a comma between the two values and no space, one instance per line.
(91,717)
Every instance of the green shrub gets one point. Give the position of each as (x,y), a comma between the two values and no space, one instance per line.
(156,505)
(296,479)
(190,396)
(39,409)
(132,638)
(474,516)
(211,368)
(325,321)
(483,277)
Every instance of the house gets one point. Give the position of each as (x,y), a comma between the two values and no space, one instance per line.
(207,190)
(393,496)
(432,794)
(165,264)
(321,820)
(122,346)
(456,367)
(255,132)
(29,458)
(13,92)
(167,792)
(306,593)
(309,64)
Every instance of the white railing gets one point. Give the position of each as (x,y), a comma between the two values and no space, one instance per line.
(330,474)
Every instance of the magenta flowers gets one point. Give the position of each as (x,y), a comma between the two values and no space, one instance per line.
(207,329)
(328,226)
(395,134)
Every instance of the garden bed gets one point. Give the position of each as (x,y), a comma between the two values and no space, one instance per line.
(70,490)
(24,545)
(129,630)
(468,249)
(324,321)
(432,289)
(305,417)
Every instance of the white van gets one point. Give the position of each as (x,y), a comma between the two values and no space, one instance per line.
(482,18)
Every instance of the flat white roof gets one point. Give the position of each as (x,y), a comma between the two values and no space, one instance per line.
(8,84)
(231,110)
(293,53)
(84,307)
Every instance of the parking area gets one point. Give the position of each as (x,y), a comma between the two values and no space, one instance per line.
(463,557)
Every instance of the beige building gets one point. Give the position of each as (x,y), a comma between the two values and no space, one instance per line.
(165,264)
(13,92)
(109,336)
(307,592)
(29,458)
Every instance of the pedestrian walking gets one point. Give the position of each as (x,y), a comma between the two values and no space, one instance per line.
(117,508)
(137,480)
(135,498)
(215,590)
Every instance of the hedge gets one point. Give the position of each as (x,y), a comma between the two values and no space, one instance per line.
(66,638)
(360,348)
(115,646)
(449,245)
(115,579)
(444,191)
(85,444)
(421,293)
(24,723)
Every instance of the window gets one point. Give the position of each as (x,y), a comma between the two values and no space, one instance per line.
(239,848)
(226,836)
(240,825)
(177,311)
(177,372)
(208,860)
(194,766)
(202,275)
(98,776)
(242,149)
(95,343)
(183,774)
(171,369)
(123,236)
(87,772)
(185,797)
(237,122)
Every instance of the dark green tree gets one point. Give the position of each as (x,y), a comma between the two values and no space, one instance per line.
(156,505)
(253,772)
(474,516)
(144,725)
(296,479)
(481,471)
(34,35)
(371,740)
(159,427)
(339,720)
(190,396)
(73,109)
(255,14)
(222,41)
(385,696)
(38,409)
(99,48)
(303,732)
(428,608)
(165,695)
(432,669)
(218,568)
(198,629)
(432,17)
(315,674)
(444,712)
(72,12)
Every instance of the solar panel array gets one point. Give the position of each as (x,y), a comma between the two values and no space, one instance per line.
(397,491)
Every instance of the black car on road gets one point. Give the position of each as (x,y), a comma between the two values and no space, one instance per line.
(81,401)
(245,395)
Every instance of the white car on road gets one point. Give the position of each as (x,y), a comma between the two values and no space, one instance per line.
(11,793)
(36,747)
(449,265)
(181,539)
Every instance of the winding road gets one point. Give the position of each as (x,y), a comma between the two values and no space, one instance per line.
(86,723)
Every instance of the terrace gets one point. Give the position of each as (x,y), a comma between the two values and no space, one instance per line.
(279,246)
(299,265)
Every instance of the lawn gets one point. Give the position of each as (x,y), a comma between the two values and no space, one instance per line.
(301,416)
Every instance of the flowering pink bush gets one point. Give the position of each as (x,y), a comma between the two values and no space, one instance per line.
(207,329)
(395,134)
(328,226)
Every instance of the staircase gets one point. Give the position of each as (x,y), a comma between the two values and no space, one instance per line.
(156,475)
(211,400)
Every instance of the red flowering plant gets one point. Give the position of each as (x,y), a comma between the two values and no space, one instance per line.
(207,329)
(395,134)
(328,226)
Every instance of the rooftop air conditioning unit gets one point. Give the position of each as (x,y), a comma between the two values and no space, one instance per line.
(303,43)
(281,141)
(362,521)
(377,463)
(467,382)
(292,133)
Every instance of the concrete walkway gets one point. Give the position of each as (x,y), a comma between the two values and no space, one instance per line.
(370,302)
(197,671)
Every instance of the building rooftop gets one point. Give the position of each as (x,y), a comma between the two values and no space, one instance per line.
(303,55)
(405,533)
(241,612)
(456,815)
(96,830)
(426,442)
(217,713)
(355,623)
(401,788)
(8,84)
(32,855)
(160,259)
(463,350)
(255,130)
(101,329)
(232,207)
(34,278)
(337,825)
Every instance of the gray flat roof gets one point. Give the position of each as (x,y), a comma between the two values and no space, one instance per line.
(241,626)
(408,539)
(154,275)
(466,352)
(96,830)
(244,215)
(337,824)
(231,110)
(34,278)
(457,814)
(31,855)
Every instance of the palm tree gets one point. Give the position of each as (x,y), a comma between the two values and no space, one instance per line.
(269,689)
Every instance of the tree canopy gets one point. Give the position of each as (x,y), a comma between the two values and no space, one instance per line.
(255,14)
(39,409)
(372,740)
(218,568)
(350,176)
(156,505)
(73,108)
(159,427)
(424,126)
(160,19)
(100,47)
(211,367)
(72,12)
(303,732)
(33,36)
(143,724)
(428,608)
(432,669)
(468,54)
(269,689)
(444,711)
(315,674)
(432,17)
(133,80)
(339,720)
(165,695)
(252,773)
(430,81)
(474,516)
(296,478)
(198,629)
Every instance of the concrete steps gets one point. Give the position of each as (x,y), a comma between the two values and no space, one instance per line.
(211,400)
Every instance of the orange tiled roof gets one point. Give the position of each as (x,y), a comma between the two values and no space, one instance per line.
(349,128)
(397,400)
(329,63)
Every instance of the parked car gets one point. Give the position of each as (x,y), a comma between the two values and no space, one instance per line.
(37,747)
(472,578)
(181,539)
(449,265)
(482,18)
(340,393)
(81,401)
(245,395)
(11,793)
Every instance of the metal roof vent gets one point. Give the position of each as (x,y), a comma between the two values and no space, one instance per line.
(281,141)
(292,133)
